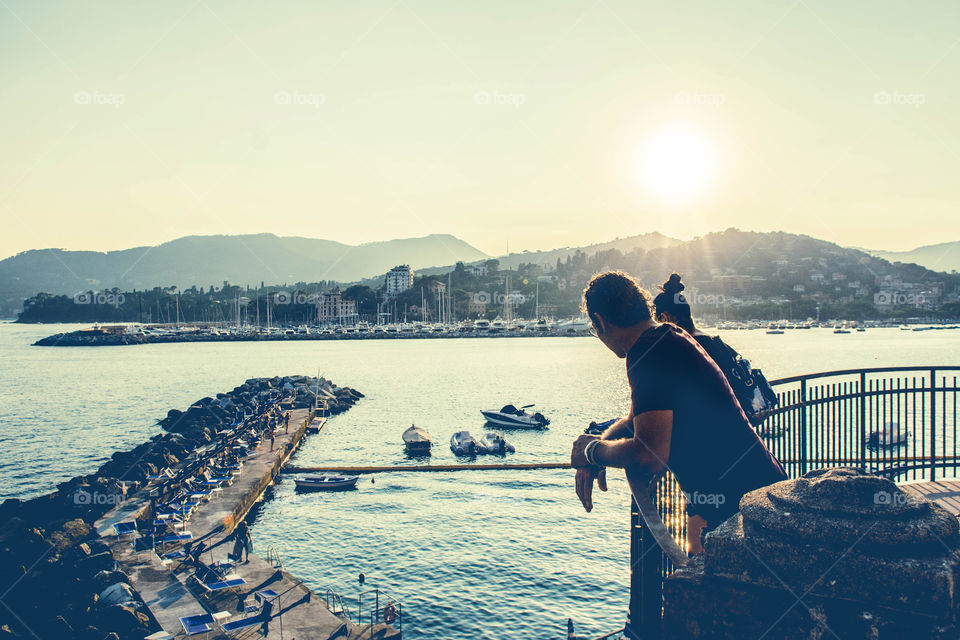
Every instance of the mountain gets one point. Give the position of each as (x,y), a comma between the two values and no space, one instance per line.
(206,260)
(645,242)
(938,257)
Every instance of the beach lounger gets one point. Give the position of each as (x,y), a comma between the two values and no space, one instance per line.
(125,528)
(229,582)
(202,623)
(242,623)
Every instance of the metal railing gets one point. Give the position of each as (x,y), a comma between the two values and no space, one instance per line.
(381,610)
(899,422)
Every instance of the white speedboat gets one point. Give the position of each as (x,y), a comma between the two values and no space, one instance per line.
(511,417)
(496,443)
(891,435)
(464,444)
(327,483)
(417,440)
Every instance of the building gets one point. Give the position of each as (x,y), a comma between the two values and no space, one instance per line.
(331,307)
(398,280)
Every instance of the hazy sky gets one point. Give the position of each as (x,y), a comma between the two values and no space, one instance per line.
(126,123)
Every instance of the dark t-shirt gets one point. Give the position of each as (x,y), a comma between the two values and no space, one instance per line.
(715,454)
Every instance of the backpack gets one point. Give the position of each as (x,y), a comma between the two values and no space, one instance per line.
(749,385)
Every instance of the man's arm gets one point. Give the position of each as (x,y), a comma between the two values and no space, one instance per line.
(649,448)
(622,428)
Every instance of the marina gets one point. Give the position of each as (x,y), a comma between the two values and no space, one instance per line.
(134,334)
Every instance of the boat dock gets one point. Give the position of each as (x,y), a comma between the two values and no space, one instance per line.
(428,467)
(171,592)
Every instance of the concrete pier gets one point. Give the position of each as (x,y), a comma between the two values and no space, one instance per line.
(170,591)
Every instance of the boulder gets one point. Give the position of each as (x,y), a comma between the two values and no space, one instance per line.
(117,593)
(864,559)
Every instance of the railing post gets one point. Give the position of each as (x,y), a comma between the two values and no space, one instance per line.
(933,425)
(803,427)
(646,581)
(863,421)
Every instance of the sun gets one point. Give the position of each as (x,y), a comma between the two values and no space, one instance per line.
(677,163)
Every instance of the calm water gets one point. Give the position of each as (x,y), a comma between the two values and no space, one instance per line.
(469,554)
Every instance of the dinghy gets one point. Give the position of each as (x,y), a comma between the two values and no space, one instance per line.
(496,443)
(464,444)
(327,483)
(891,435)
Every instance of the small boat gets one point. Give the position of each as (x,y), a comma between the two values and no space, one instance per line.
(891,435)
(511,417)
(597,428)
(496,443)
(775,332)
(417,440)
(316,424)
(327,483)
(464,444)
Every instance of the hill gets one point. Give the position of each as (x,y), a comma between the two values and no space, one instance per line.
(938,257)
(206,260)
(644,242)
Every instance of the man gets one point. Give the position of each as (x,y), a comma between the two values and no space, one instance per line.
(684,415)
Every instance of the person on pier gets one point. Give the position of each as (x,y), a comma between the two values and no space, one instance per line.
(242,543)
(684,416)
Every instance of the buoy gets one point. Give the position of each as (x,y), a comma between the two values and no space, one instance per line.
(389,613)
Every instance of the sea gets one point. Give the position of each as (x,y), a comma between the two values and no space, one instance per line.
(467,554)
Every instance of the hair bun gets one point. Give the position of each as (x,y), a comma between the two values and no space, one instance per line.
(673,285)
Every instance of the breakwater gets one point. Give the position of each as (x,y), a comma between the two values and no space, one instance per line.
(121,336)
(66,572)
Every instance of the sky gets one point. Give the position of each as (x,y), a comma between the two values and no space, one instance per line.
(533,125)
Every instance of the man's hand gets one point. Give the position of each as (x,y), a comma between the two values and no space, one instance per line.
(577,458)
(584,481)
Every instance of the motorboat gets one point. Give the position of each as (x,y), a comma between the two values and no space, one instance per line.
(417,440)
(327,483)
(891,435)
(512,417)
(464,444)
(598,428)
(496,443)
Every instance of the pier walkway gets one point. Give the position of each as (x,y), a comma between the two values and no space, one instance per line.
(946,493)
(170,590)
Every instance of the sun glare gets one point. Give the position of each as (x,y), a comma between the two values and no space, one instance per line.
(677,163)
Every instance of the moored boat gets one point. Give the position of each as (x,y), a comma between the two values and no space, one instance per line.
(514,418)
(464,444)
(327,483)
(496,443)
(417,440)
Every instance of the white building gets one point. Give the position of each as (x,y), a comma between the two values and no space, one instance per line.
(398,280)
